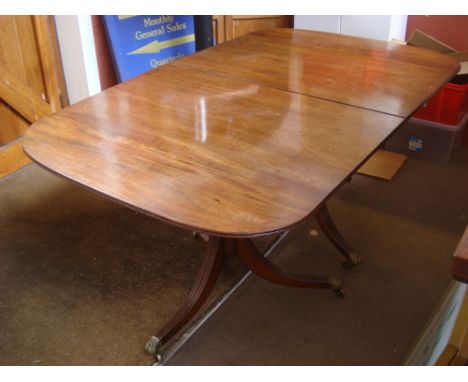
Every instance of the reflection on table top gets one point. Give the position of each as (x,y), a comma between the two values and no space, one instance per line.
(377,75)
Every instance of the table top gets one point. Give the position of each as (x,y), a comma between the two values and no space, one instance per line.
(387,77)
(232,154)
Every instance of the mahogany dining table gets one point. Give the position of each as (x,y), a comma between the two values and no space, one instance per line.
(248,138)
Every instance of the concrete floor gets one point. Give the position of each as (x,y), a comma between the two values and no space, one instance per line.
(86,282)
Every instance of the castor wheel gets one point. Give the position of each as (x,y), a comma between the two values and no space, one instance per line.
(202,237)
(352,261)
(337,287)
(339,292)
(152,347)
(157,359)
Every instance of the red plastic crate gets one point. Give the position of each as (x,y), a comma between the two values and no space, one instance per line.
(448,106)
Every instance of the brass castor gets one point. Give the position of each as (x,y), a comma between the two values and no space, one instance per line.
(339,292)
(152,347)
(337,287)
(200,236)
(352,261)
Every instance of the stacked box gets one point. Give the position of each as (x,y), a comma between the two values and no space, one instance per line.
(438,125)
(426,140)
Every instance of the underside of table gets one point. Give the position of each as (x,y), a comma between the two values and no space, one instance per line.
(216,248)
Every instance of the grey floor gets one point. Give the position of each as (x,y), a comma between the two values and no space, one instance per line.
(85,282)
(405,230)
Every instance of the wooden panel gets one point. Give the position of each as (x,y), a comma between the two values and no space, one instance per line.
(36,86)
(459,361)
(20,52)
(50,62)
(385,77)
(463,352)
(21,70)
(226,28)
(218,156)
(21,97)
(12,125)
(383,165)
(31,79)
(242,25)
(12,158)
(219,32)
(461,325)
(11,58)
(30,58)
(447,356)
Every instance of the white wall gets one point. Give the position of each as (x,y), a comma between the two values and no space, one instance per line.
(398,27)
(330,23)
(77,49)
(376,27)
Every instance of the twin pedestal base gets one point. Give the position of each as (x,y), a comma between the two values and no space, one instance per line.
(218,247)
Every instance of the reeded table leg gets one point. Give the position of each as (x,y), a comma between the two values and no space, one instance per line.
(215,250)
(204,283)
(328,227)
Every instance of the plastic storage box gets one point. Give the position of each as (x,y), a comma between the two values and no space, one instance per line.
(426,140)
(449,105)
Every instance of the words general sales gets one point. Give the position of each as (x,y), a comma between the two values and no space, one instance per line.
(166,25)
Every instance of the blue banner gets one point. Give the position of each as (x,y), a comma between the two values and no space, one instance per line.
(142,43)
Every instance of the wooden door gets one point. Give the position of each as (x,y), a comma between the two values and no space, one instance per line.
(219,32)
(31,82)
(227,28)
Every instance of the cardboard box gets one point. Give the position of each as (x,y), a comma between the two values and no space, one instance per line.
(462,58)
(422,40)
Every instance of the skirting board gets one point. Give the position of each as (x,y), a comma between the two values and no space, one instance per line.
(12,158)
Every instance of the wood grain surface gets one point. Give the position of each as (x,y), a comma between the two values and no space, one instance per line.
(12,158)
(212,154)
(12,125)
(223,143)
(377,75)
(383,165)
